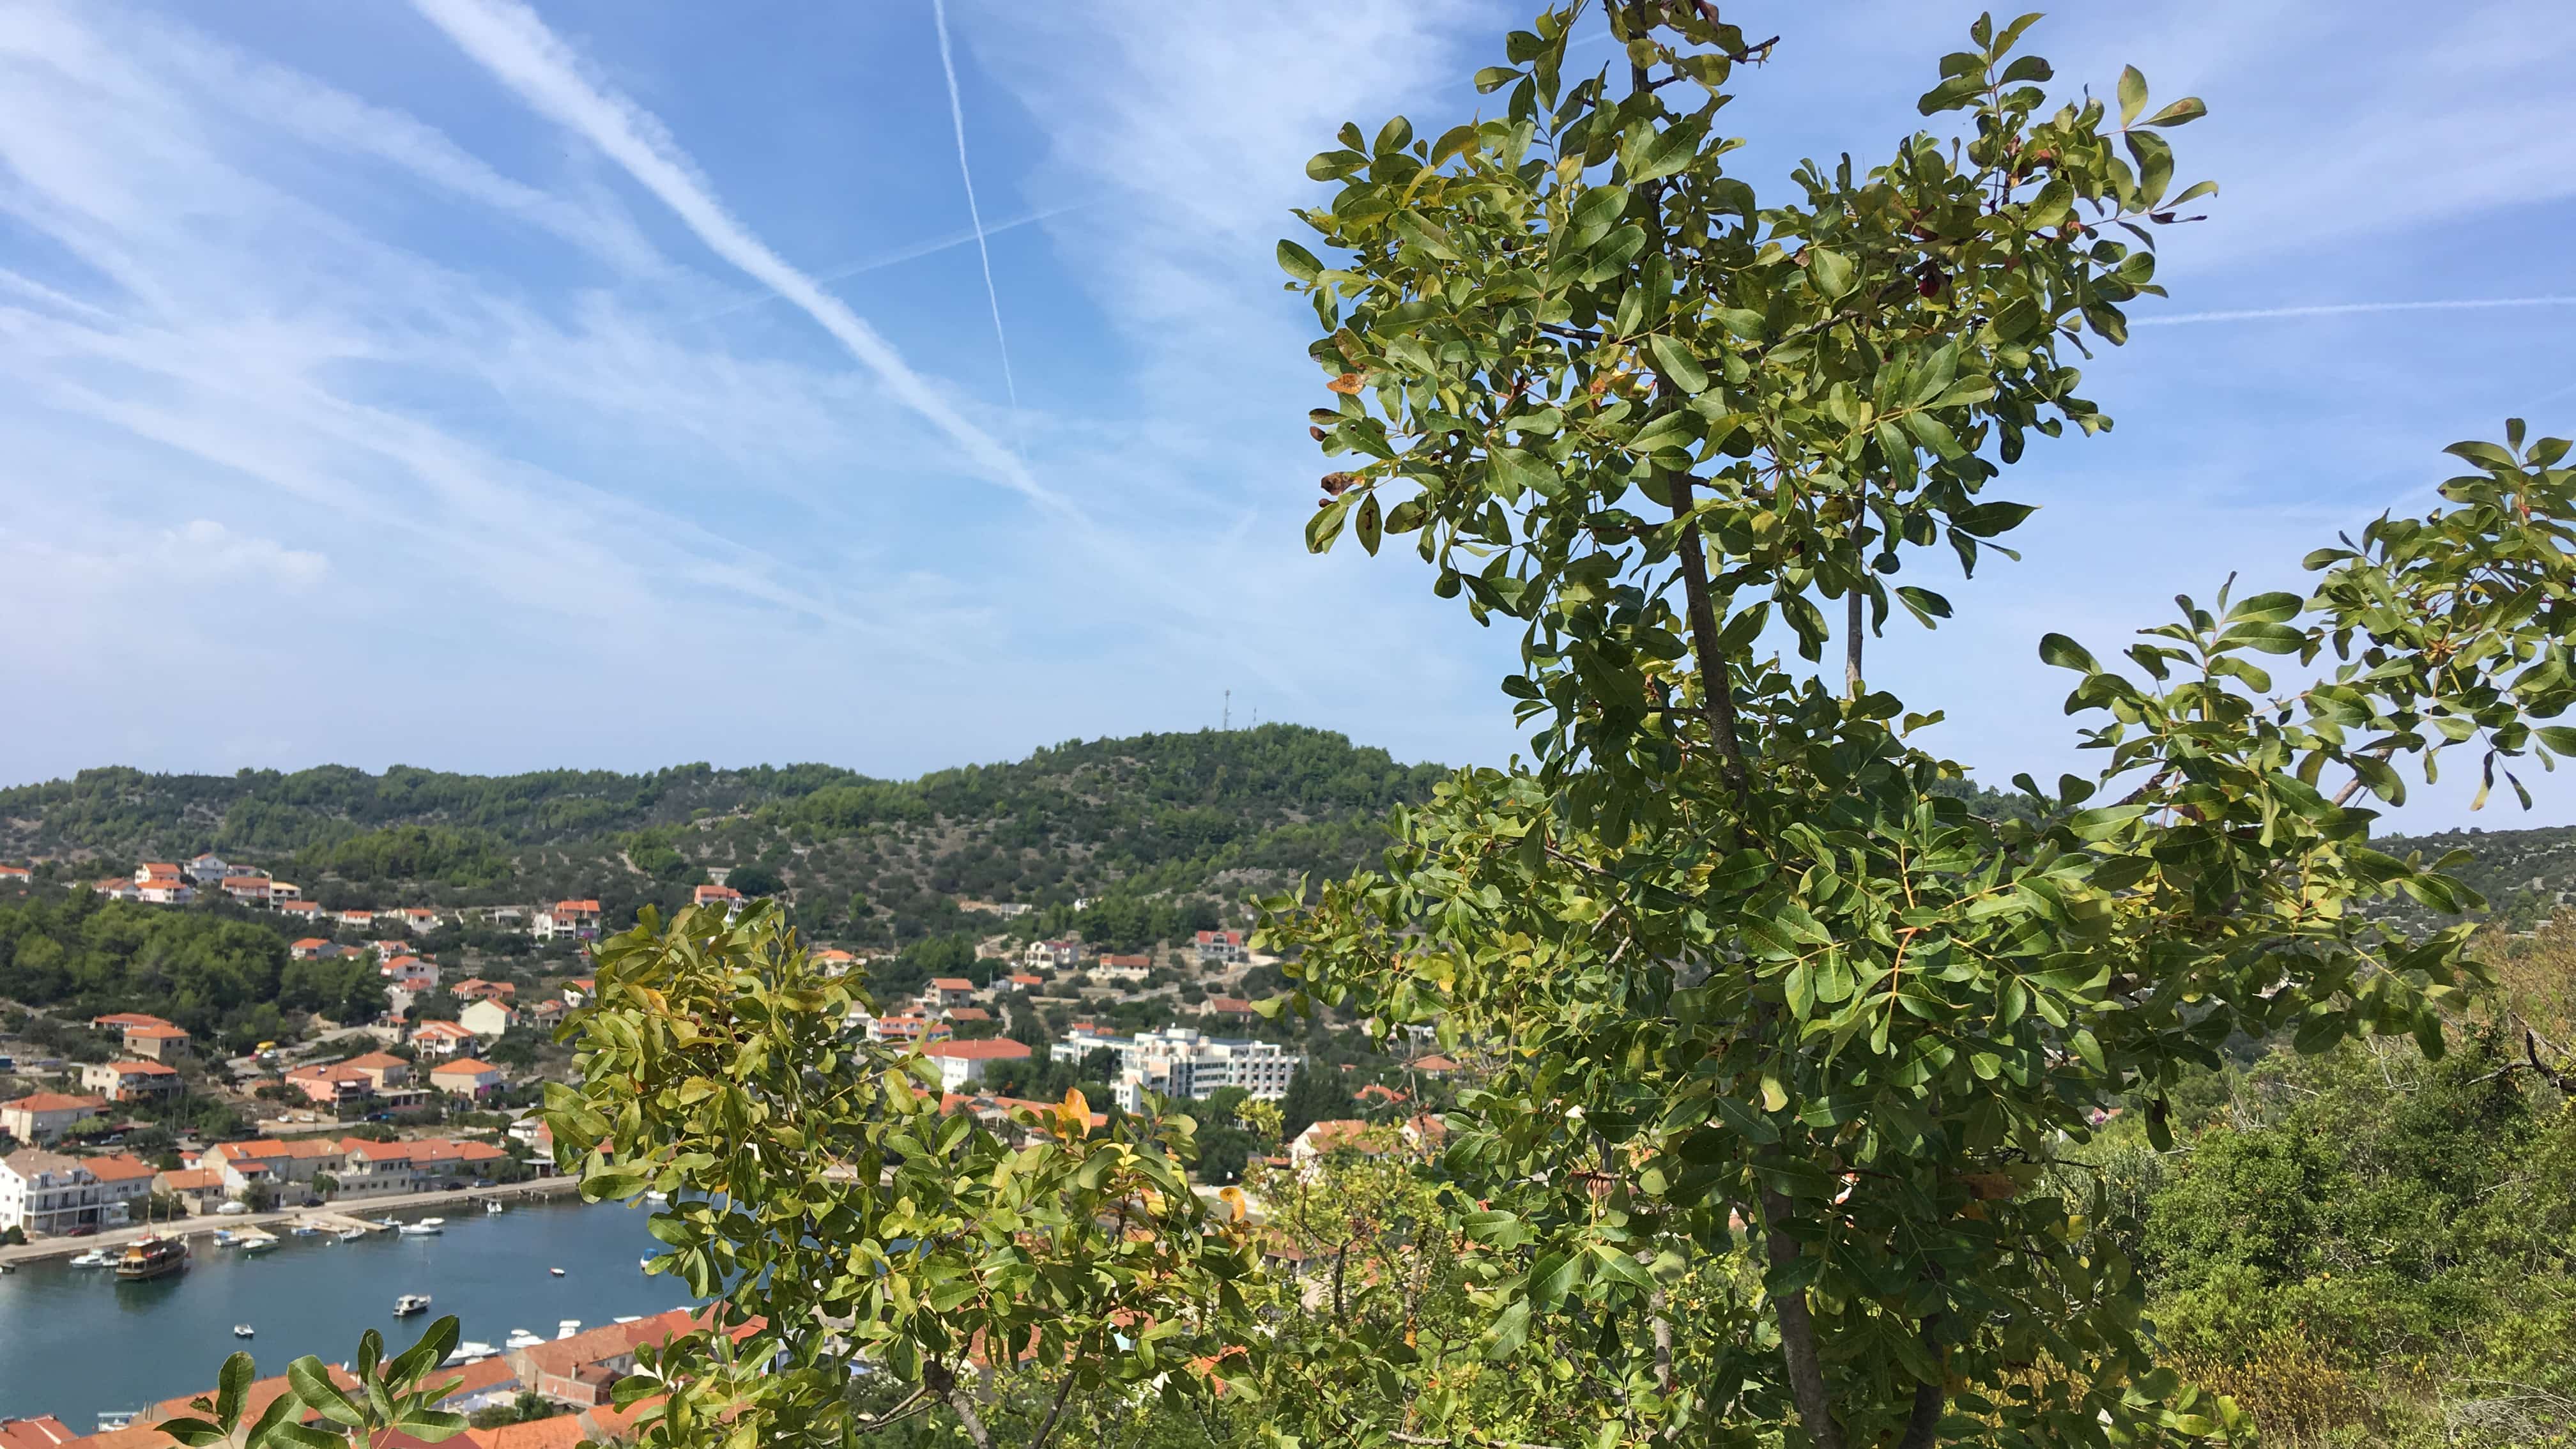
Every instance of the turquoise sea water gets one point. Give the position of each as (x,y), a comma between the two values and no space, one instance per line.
(75,1342)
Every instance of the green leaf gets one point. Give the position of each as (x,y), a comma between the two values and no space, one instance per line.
(2065,653)
(1830,271)
(1321,530)
(232,1386)
(2133,94)
(1666,432)
(1369,524)
(1519,471)
(1509,1332)
(1926,604)
(1675,362)
(1985,520)
(1551,1278)
(1298,262)
(2181,113)
(312,1384)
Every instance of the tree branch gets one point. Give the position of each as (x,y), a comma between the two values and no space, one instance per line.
(1852,644)
(1054,1412)
(1798,1329)
(945,1385)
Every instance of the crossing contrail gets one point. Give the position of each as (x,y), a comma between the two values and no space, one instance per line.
(957,119)
(2347,309)
(507,39)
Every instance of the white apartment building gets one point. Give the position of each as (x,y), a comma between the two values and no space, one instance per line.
(1179,1061)
(48,1192)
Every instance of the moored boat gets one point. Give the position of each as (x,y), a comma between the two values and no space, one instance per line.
(411,1303)
(152,1258)
(243,1330)
(425,1228)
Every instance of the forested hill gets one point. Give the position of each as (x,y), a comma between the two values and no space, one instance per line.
(1212,813)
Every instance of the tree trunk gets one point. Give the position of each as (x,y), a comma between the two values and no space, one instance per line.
(1852,645)
(1798,1330)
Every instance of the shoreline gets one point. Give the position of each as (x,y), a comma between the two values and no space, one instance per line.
(204,1224)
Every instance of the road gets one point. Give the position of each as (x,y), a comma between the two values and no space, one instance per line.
(365,1207)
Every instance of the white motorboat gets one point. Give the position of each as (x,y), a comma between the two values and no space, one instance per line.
(349,1235)
(521,1338)
(411,1303)
(467,1352)
(567,1327)
(243,1330)
(96,1258)
(425,1228)
(492,1205)
(555,1272)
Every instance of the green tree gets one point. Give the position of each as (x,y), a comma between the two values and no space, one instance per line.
(1314,1095)
(1773,996)
(755,879)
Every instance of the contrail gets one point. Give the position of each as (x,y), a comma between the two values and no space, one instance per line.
(508,40)
(899,256)
(957,118)
(2345,309)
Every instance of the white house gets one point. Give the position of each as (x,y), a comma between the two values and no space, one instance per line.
(410,973)
(208,868)
(47,1192)
(250,890)
(963,1063)
(44,1116)
(165,891)
(567,921)
(439,1039)
(487,1019)
(1224,946)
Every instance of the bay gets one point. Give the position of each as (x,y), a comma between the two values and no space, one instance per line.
(74,1342)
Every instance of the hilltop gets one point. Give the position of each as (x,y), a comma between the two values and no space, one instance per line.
(1193,821)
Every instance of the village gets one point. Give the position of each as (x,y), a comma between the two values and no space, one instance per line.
(435,1094)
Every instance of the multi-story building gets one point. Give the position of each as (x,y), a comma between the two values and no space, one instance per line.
(208,869)
(466,1077)
(441,1039)
(374,1169)
(488,1019)
(948,991)
(1223,946)
(1052,955)
(47,1192)
(1180,1062)
(567,921)
(1123,968)
(159,1041)
(131,1081)
(718,895)
(410,973)
(43,1116)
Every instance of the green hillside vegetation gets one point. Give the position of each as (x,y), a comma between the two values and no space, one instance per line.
(1187,823)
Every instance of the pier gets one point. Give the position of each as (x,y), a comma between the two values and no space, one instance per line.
(335,1217)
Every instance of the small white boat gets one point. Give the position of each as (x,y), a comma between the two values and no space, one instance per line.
(492,1205)
(411,1303)
(349,1235)
(557,1272)
(425,1228)
(467,1352)
(566,1328)
(631,1318)
(521,1338)
(657,1196)
(95,1258)
(305,1230)
(645,1262)
(243,1330)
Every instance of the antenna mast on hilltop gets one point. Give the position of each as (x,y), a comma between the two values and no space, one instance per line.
(1225,721)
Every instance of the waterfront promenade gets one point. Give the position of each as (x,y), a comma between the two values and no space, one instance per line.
(362,1208)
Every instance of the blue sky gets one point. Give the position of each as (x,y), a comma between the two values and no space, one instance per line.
(483,387)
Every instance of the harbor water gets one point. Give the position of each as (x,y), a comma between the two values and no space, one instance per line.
(75,1342)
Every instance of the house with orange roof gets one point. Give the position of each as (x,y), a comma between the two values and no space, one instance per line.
(409,973)
(359,919)
(580,1370)
(834,961)
(908,1027)
(15,875)
(44,1116)
(203,1189)
(1227,1006)
(963,1063)
(384,1069)
(44,1431)
(475,988)
(715,895)
(1434,1066)
(331,1083)
(567,921)
(164,891)
(310,948)
(376,1168)
(467,1077)
(580,989)
(250,890)
(160,1041)
(549,1014)
(956,1014)
(152,870)
(122,1020)
(419,920)
(300,910)
(948,991)
(441,1038)
(131,1081)
(271,1159)
(1027,981)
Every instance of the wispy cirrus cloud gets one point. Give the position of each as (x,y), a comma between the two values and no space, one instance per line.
(510,41)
